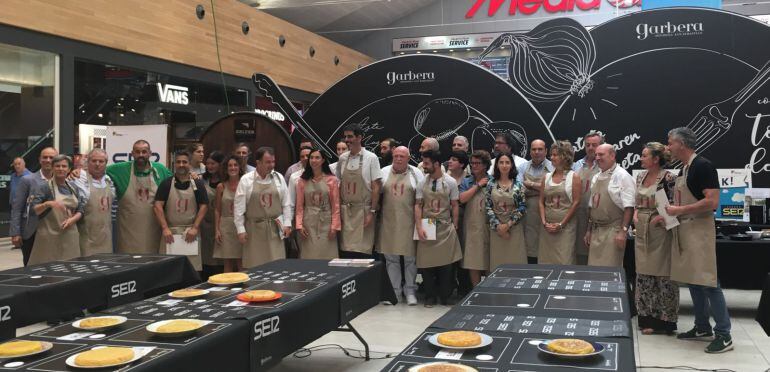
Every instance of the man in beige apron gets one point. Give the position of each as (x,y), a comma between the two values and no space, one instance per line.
(531,174)
(397,224)
(473,193)
(180,206)
(135,184)
(610,209)
(360,182)
(262,212)
(437,200)
(586,168)
(693,259)
(96,187)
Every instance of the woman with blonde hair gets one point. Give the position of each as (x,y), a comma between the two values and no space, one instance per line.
(657,297)
(559,199)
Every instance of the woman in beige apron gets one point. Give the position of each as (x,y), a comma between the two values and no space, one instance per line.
(96,225)
(317,210)
(355,204)
(227,247)
(476,224)
(211,264)
(606,218)
(656,296)
(59,209)
(505,209)
(181,219)
(532,221)
(581,214)
(559,199)
(138,230)
(435,257)
(265,241)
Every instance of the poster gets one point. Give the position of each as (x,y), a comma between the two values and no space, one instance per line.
(732,194)
(121,138)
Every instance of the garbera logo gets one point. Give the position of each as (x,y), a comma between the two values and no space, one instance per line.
(410,77)
(173,94)
(668,29)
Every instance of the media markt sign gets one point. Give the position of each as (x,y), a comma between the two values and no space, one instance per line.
(529,7)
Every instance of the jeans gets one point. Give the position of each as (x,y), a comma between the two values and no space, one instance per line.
(710,301)
(393,265)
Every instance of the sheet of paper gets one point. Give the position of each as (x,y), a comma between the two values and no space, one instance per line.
(429,226)
(662,201)
(182,248)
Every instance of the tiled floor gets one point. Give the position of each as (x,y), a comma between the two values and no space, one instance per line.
(388,329)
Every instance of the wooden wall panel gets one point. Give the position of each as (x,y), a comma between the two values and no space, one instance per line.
(170,30)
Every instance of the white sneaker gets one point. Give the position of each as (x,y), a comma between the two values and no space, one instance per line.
(411,300)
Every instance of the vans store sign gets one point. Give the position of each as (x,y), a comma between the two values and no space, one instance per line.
(177,94)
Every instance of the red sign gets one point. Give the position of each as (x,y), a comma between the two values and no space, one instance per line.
(528,7)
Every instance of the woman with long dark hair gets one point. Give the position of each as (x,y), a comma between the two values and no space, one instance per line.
(227,247)
(505,209)
(212,176)
(318,209)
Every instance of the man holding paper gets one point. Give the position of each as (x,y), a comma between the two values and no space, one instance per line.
(693,260)
(179,209)
(437,207)
(610,210)
(400,182)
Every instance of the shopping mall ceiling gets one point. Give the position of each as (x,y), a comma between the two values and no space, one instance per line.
(344,21)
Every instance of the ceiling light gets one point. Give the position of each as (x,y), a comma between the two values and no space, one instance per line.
(100,115)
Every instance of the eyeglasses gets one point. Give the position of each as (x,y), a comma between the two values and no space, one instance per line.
(476,163)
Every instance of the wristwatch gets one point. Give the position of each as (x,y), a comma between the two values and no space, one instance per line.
(373,211)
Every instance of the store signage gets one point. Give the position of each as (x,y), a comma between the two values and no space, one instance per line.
(444,42)
(177,94)
(120,140)
(274,115)
(245,130)
(643,30)
(409,77)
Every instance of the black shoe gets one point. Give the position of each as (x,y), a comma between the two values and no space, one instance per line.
(721,344)
(695,334)
(430,302)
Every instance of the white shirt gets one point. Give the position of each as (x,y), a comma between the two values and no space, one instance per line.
(243,194)
(415,180)
(82,185)
(445,181)
(293,180)
(622,187)
(567,183)
(333,167)
(517,162)
(371,166)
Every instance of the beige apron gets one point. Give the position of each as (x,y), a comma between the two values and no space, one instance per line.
(96,225)
(652,243)
(138,230)
(51,242)
(506,251)
(693,256)
(476,234)
(317,221)
(446,248)
(355,200)
(557,248)
(581,214)
(606,218)
(230,247)
(397,226)
(532,217)
(207,230)
(181,209)
(264,243)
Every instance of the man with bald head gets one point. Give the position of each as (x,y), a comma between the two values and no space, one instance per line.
(400,182)
(531,175)
(429,144)
(610,210)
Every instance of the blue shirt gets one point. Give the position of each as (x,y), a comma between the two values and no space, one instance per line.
(15,178)
(534,170)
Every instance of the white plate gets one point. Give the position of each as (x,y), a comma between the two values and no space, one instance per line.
(139,353)
(46,346)
(205,292)
(485,341)
(418,367)
(121,320)
(153,328)
(598,349)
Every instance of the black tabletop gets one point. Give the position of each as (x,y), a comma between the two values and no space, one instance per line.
(763,311)
(61,289)
(316,299)
(520,306)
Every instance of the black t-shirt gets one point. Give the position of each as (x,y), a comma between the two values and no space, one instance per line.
(701,175)
(165,188)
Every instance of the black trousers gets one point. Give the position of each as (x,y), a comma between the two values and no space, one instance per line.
(532,260)
(26,248)
(438,281)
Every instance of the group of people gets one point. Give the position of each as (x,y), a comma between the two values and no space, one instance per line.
(453,219)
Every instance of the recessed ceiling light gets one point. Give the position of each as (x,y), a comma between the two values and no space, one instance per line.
(451,50)
(468,49)
(418,52)
(100,115)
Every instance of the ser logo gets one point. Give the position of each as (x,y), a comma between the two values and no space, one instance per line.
(5,313)
(348,288)
(123,289)
(120,157)
(266,327)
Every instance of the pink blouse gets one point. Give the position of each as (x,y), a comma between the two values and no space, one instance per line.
(334,201)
